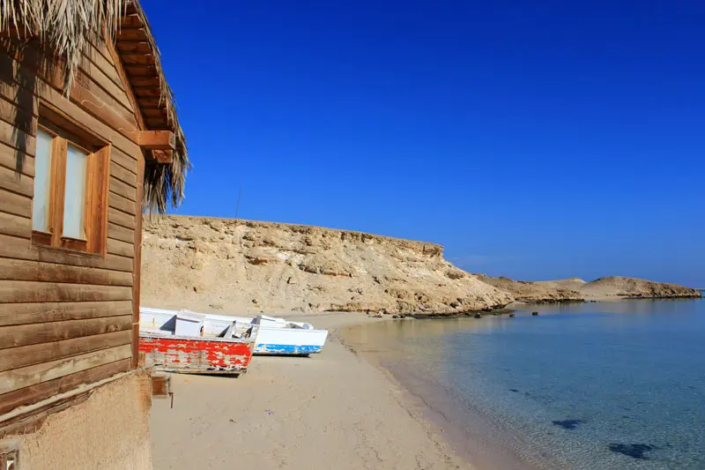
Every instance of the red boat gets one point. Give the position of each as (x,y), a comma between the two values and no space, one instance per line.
(173,343)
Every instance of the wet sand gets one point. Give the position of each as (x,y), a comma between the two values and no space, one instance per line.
(472,433)
(333,410)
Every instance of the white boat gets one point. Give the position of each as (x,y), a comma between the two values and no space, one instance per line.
(174,342)
(273,336)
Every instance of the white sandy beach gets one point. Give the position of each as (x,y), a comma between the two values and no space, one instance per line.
(331,411)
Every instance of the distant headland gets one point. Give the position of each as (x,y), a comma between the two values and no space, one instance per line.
(214,264)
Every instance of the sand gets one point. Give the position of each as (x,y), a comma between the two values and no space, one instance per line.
(331,411)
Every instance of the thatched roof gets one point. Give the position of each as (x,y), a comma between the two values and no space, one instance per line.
(68,27)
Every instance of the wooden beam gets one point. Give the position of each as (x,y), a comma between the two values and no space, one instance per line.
(102,71)
(136,286)
(116,232)
(24,270)
(85,92)
(38,291)
(138,34)
(116,247)
(157,123)
(134,47)
(15,138)
(21,118)
(125,190)
(120,218)
(25,335)
(15,226)
(38,373)
(131,9)
(104,129)
(147,102)
(138,59)
(154,112)
(35,393)
(141,91)
(16,182)
(98,54)
(14,358)
(22,314)
(117,171)
(19,161)
(121,203)
(153,82)
(20,248)
(156,140)
(162,156)
(131,21)
(19,94)
(127,84)
(141,70)
(16,204)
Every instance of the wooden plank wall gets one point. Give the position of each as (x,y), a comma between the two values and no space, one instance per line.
(66,318)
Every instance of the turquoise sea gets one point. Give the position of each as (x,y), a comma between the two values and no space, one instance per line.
(593,386)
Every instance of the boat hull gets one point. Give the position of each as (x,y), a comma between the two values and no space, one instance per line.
(196,355)
(265,349)
(289,342)
(270,336)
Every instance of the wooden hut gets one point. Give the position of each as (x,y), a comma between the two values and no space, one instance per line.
(89,138)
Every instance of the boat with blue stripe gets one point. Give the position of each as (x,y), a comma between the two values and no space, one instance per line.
(280,337)
(272,336)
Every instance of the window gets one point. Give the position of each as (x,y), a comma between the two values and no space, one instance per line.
(75,193)
(42,182)
(69,209)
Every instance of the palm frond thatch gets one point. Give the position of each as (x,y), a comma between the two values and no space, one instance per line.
(68,27)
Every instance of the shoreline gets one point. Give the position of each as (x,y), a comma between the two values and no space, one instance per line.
(333,410)
(342,408)
(507,309)
(476,446)
(485,440)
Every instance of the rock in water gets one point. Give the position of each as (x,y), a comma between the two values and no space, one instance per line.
(569,424)
(637,451)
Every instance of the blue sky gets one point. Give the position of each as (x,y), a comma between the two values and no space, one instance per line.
(533,139)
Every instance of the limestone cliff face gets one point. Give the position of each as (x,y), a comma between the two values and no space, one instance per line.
(527,291)
(241,266)
(629,287)
(575,289)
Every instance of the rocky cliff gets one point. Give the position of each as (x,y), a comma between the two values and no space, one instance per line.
(238,266)
(629,287)
(527,291)
(575,289)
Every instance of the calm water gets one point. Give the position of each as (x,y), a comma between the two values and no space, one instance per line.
(614,385)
